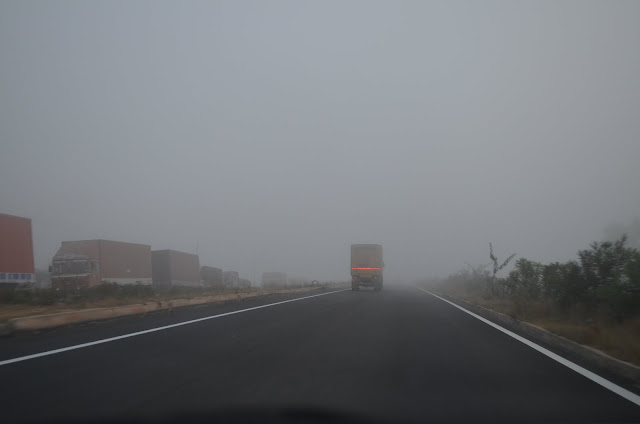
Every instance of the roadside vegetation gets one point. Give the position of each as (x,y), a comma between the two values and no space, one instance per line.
(593,300)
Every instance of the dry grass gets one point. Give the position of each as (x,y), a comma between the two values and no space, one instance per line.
(619,339)
(8,311)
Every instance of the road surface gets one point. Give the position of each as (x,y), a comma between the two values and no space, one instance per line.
(400,355)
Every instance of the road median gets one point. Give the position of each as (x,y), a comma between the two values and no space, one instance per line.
(60,319)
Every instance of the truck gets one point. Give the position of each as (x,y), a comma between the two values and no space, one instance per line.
(89,263)
(366,266)
(231,279)
(16,252)
(274,279)
(211,277)
(175,268)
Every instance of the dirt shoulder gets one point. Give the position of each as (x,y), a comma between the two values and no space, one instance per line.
(8,311)
(618,339)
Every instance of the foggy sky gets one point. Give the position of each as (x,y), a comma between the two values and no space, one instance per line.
(270,135)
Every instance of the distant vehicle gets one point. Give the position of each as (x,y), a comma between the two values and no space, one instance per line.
(173,268)
(16,251)
(366,266)
(274,279)
(231,279)
(244,283)
(211,277)
(89,263)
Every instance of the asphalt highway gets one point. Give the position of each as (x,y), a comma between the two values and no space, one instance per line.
(400,355)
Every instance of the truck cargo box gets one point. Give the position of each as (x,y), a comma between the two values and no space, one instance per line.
(230,278)
(366,266)
(88,263)
(174,268)
(16,251)
(211,277)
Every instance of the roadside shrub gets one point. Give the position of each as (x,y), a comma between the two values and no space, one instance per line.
(564,284)
(6,295)
(631,280)
(21,296)
(44,297)
(526,279)
(604,262)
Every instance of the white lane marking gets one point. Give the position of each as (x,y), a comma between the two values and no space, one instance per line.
(577,368)
(139,333)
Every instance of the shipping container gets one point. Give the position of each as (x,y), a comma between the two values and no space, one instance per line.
(274,279)
(16,251)
(211,277)
(88,263)
(174,268)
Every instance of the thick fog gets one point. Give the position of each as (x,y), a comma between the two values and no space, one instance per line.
(271,135)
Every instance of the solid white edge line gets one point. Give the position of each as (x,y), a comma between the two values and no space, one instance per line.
(139,333)
(632,397)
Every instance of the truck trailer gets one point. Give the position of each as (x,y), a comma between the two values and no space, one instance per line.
(211,277)
(89,263)
(16,251)
(366,266)
(174,268)
(231,279)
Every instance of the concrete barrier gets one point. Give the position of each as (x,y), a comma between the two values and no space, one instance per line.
(595,358)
